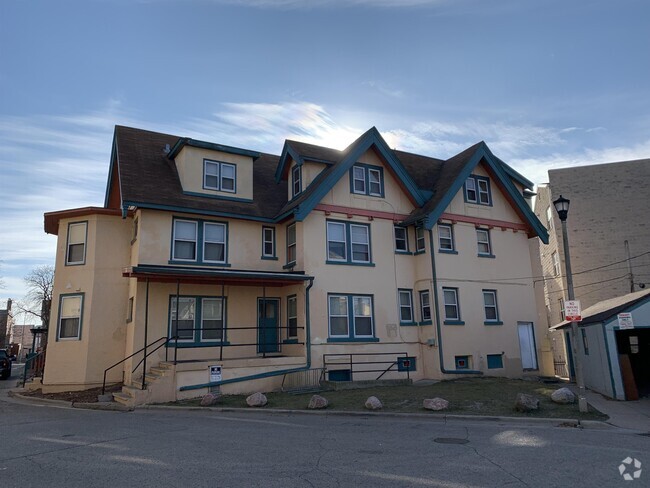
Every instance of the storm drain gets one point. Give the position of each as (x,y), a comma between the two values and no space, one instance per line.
(450,440)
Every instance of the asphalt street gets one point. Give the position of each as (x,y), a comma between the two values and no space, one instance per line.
(52,446)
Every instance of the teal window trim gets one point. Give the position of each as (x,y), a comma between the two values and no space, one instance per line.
(348,244)
(450,292)
(291,244)
(495,361)
(197,340)
(492,322)
(420,242)
(426,322)
(405,293)
(265,255)
(62,297)
(84,243)
(480,231)
(487,307)
(290,341)
(292,335)
(199,243)
(220,165)
(462,362)
(352,335)
(443,251)
(481,187)
(446,240)
(296,180)
(405,240)
(425,307)
(368,169)
(454,322)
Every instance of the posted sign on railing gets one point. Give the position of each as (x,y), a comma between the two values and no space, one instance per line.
(572,311)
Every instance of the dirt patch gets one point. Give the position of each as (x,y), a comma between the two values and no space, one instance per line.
(83,396)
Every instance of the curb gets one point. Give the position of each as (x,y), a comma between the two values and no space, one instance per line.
(109,406)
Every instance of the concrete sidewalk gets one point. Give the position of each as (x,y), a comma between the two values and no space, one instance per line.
(634,415)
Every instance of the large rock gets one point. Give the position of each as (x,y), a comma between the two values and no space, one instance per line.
(373,403)
(256,400)
(317,402)
(435,403)
(563,396)
(209,400)
(526,403)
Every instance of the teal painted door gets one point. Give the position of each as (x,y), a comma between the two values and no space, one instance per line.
(268,321)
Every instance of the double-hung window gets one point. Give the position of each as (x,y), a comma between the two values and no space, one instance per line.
(405,306)
(401,239)
(348,243)
(367,180)
(292,317)
(76,248)
(350,317)
(296,180)
(70,310)
(477,190)
(212,316)
(199,241)
(185,239)
(490,306)
(291,244)
(268,242)
(214,242)
(483,242)
(181,317)
(197,319)
(445,238)
(425,306)
(219,176)
(451,305)
(419,239)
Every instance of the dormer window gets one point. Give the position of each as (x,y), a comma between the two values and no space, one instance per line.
(219,176)
(367,180)
(477,190)
(296,180)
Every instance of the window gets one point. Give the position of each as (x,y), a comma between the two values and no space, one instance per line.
(477,190)
(450,301)
(556,263)
(292,317)
(185,238)
(214,245)
(405,306)
(296,180)
(70,309)
(549,217)
(495,361)
(182,324)
(490,306)
(291,244)
(401,239)
(462,362)
(219,176)
(419,239)
(129,312)
(199,319)
(483,241)
(561,302)
(76,249)
(367,180)
(348,243)
(212,319)
(425,306)
(268,242)
(350,317)
(445,238)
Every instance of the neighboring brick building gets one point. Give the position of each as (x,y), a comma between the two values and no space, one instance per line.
(6,321)
(608,223)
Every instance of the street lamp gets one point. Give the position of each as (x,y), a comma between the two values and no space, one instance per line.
(562,207)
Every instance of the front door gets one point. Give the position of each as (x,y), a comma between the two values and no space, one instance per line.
(268,321)
(527,345)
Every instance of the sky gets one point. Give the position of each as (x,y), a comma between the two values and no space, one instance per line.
(546,83)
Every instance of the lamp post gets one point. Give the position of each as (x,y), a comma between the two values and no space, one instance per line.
(562,207)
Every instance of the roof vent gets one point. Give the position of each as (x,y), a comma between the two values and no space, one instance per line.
(167,149)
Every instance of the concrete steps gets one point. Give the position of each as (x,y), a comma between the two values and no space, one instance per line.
(159,377)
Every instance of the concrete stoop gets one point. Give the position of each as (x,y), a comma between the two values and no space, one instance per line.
(159,383)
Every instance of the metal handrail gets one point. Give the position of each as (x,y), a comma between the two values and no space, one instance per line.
(28,361)
(165,338)
(347,359)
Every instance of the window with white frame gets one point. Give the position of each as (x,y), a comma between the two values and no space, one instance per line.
(268,242)
(212,315)
(350,317)
(367,180)
(219,176)
(338,316)
(470,190)
(362,316)
(292,317)
(483,242)
(214,242)
(70,310)
(445,237)
(425,305)
(405,306)
(401,239)
(490,306)
(358,180)
(450,302)
(477,190)
(483,191)
(556,263)
(296,180)
(76,247)
(199,319)
(182,317)
(291,244)
(374,182)
(348,242)
(185,239)
(420,245)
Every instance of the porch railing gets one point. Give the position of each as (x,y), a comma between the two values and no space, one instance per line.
(355,363)
(560,368)
(34,367)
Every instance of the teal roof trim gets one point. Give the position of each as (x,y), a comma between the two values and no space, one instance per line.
(110,168)
(356,149)
(287,151)
(515,175)
(186,141)
(174,208)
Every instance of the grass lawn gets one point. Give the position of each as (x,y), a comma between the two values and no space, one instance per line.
(469,396)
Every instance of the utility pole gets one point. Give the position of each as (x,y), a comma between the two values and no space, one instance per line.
(629,265)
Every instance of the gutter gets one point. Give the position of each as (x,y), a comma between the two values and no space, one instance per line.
(269,374)
(437,309)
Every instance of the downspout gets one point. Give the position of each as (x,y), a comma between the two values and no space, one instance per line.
(270,373)
(436,306)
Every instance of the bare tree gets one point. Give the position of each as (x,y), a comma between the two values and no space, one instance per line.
(38,300)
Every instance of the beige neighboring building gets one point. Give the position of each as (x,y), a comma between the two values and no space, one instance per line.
(248,271)
(609,232)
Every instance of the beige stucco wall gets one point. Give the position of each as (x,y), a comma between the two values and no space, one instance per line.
(310,170)
(189,163)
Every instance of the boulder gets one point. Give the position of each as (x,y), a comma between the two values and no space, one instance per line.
(256,400)
(373,403)
(209,399)
(435,403)
(317,402)
(526,403)
(563,396)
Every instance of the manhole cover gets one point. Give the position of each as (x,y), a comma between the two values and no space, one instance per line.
(450,440)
